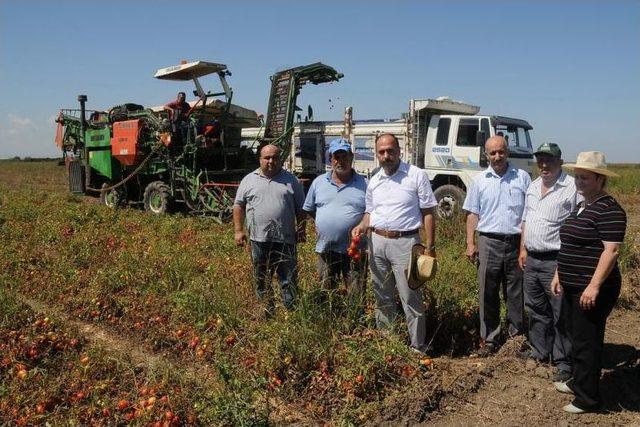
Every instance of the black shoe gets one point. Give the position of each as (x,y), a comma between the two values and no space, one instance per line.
(486,351)
(561,376)
(525,355)
(425,350)
(530,355)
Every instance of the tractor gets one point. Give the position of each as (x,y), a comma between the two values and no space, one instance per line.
(132,155)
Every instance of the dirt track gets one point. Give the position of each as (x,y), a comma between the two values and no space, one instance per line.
(515,392)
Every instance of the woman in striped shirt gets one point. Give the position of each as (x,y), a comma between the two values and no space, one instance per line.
(588,276)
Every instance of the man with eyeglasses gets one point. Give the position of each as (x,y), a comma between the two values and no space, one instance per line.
(494,205)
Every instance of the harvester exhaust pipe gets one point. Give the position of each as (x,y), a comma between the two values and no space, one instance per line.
(82,99)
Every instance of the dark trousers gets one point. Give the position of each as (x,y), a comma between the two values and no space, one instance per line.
(586,332)
(547,333)
(335,268)
(279,257)
(499,268)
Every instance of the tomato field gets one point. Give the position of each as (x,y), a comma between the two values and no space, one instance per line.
(118,316)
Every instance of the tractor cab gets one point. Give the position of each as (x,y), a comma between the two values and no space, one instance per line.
(214,119)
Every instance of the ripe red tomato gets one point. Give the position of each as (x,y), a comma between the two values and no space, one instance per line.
(356,255)
(356,239)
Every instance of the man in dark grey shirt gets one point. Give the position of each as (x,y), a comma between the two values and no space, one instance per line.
(271,199)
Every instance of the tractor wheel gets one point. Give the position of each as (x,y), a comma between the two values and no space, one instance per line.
(113,198)
(450,199)
(157,198)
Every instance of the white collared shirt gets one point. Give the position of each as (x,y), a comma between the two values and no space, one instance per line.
(394,202)
(498,200)
(543,215)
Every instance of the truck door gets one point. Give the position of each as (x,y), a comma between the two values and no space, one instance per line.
(438,150)
(457,142)
(468,148)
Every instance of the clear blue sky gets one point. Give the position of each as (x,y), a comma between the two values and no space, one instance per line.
(572,69)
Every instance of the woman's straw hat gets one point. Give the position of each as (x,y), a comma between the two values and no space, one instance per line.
(592,161)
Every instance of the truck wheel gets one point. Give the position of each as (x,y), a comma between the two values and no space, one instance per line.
(113,198)
(157,198)
(450,199)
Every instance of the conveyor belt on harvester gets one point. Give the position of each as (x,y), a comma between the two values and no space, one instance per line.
(285,87)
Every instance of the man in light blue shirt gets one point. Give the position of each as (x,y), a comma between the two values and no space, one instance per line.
(399,203)
(336,201)
(494,204)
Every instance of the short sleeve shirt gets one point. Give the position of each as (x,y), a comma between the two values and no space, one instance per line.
(271,205)
(395,202)
(544,215)
(498,200)
(182,106)
(338,209)
(581,237)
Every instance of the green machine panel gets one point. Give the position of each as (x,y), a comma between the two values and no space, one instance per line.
(98,137)
(98,143)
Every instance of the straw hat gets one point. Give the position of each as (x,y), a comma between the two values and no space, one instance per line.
(422,268)
(592,161)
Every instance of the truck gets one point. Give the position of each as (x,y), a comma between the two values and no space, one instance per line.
(443,137)
(194,161)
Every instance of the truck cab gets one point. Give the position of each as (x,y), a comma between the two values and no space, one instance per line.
(457,142)
(454,153)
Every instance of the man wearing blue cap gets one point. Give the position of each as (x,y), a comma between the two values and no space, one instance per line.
(336,201)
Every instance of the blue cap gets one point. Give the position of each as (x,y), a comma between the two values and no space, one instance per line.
(339,144)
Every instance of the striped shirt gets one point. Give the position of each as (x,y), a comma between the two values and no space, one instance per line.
(582,235)
(395,202)
(498,200)
(543,215)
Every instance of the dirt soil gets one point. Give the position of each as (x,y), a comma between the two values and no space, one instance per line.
(511,391)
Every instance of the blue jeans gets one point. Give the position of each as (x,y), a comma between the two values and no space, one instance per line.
(279,257)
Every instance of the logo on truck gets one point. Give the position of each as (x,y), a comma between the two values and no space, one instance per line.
(440,150)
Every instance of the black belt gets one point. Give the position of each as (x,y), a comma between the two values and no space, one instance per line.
(391,234)
(543,255)
(503,237)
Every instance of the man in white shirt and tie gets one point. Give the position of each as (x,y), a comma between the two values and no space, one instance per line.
(399,202)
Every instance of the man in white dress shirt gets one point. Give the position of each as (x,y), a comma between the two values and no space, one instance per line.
(550,199)
(399,202)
